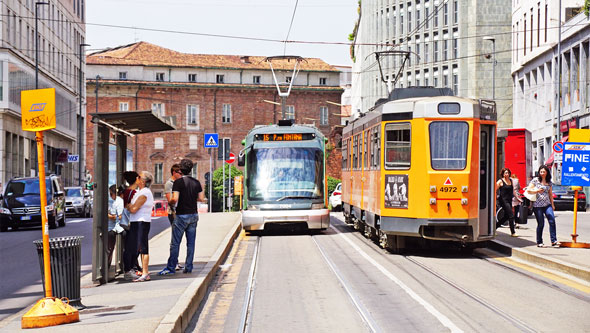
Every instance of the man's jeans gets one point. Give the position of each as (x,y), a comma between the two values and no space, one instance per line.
(183,223)
(546,211)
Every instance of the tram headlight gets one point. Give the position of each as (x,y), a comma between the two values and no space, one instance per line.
(432,189)
(464,201)
(433,201)
(253,207)
(464,189)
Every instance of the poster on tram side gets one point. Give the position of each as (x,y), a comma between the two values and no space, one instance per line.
(396,191)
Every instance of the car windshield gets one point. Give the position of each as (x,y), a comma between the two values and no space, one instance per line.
(22,187)
(560,188)
(285,173)
(74,192)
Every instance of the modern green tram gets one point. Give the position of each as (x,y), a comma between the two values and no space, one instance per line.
(284,177)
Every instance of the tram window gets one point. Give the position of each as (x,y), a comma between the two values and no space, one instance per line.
(366,144)
(448,145)
(449,108)
(355,148)
(372,149)
(377,147)
(397,146)
(344,154)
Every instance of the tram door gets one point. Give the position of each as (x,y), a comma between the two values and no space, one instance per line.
(486,180)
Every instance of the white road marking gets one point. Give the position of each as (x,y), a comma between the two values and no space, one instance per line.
(77,221)
(429,307)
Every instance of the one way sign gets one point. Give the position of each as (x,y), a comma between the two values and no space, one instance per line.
(211,140)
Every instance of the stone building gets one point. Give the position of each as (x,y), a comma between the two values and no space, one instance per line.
(61,31)
(535,72)
(224,94)
(446,38)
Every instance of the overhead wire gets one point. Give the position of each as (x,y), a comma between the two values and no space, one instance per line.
(290,26)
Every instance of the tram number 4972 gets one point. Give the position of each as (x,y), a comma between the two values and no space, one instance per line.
(448,189)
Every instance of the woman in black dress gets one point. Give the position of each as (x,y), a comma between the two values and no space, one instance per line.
(506,188)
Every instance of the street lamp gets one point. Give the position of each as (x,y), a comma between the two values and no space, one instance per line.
(37,42)
(80,124)
(493,40)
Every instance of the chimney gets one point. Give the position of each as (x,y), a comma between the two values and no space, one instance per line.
(245,59)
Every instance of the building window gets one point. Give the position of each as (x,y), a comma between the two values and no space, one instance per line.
(323,115)
(220,78)
(435,55)
(226,116)
(426,55)
(159,76)
(323,81)
(455,48)
(158,109)
(290,112)
(195,171)
(193,142)
(158,173)
(445,49)
(123,106)
(455,12)
(159,143)
(122,75)
(192,78)
(456,84)
(192,115)
(256,79)
(446,13)
(524,35)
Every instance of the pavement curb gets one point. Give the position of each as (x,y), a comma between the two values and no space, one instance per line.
(181,313)
(571,269)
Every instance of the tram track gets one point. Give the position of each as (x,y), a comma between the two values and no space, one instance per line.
(515,321)
(247,308)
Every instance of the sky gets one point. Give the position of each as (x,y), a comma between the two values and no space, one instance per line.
(314,21)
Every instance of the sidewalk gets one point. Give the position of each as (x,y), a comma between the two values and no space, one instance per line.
(574,262)
(164,304)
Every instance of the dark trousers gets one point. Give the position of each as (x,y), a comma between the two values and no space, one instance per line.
(131,252)
(508,215)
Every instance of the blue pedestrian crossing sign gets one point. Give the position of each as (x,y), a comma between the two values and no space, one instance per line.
(576,164)
(211,140)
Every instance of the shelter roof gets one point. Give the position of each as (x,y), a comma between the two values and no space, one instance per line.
(147,54)
(135,122)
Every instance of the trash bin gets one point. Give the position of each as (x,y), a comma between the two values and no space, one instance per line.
(65,254)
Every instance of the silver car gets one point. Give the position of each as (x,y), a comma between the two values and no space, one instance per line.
(77,203)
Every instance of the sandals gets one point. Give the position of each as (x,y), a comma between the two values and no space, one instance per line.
(142,278)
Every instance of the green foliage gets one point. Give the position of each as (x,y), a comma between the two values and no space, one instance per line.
(332,183)
(587,7)
(218,187)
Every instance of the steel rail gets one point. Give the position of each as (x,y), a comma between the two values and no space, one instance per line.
(247,307)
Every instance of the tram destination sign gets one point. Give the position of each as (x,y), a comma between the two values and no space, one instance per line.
(284,137)
(576,164)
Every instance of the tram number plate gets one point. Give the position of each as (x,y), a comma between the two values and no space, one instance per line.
(448,189)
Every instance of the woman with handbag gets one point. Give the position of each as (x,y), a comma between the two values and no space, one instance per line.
(543,205)
(516,200)
(506,188)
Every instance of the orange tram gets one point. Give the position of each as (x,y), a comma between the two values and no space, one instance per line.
(419,168)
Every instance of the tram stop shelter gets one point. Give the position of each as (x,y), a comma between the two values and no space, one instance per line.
(124,125)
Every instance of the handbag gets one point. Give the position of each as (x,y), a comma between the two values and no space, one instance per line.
(530,196)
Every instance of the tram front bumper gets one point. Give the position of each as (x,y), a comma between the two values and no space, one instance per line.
(314,218)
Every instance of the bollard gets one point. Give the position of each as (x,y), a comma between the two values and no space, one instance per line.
(65,254)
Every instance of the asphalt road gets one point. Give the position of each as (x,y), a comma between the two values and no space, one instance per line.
(20,273)
(340,281)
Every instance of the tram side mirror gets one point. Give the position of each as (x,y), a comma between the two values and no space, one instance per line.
(241,159)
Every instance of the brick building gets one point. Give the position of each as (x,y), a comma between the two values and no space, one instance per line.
(225,94)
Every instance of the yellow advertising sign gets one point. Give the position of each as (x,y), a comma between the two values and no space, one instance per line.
(238,189)
(38,109)
(579,135)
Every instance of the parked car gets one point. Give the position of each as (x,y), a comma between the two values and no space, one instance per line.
(20,204)
(335,199)
(77,202)
(563,198)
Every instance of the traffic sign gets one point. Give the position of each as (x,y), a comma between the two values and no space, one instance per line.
(73,158)
(211,140)
(231,159)
(576,164)
(558,147)
(38,109)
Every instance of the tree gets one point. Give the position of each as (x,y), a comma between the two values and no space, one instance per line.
(218,187)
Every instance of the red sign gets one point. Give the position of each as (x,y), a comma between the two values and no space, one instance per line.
(448,182)
(231,159)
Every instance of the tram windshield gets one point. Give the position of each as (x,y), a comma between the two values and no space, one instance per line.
(285,173)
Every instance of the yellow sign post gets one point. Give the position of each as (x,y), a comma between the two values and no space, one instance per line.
(38,115)
(238,188)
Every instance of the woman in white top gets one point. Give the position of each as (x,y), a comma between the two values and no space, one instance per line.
(141,213)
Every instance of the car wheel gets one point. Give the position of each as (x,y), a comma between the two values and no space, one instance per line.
(52,224)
